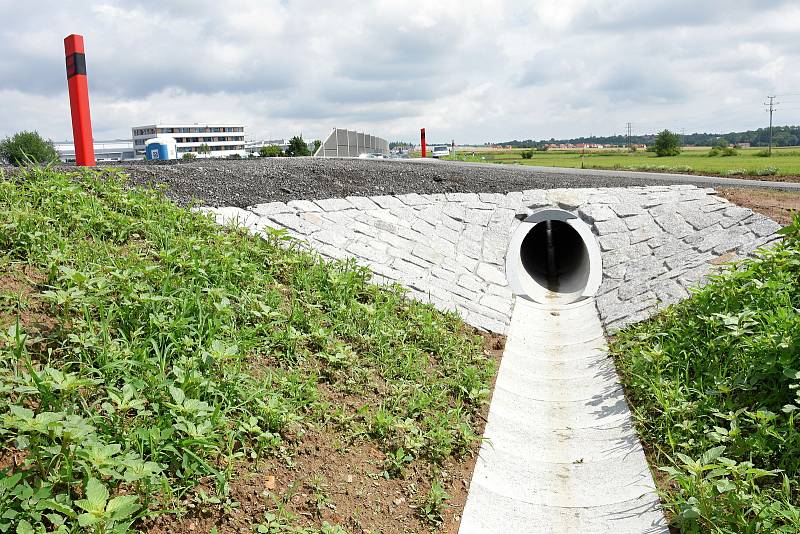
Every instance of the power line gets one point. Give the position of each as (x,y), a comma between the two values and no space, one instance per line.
(771,109)
(628,127)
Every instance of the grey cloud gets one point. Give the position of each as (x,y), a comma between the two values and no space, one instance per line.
(547,67)
(638,15)
(280,64)
(629,84)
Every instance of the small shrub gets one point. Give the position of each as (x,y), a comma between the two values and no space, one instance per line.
(735,172)
(235,156)
(189,155)
(767,171)
(434,504)
(527,154)
(723,151)
(762,154)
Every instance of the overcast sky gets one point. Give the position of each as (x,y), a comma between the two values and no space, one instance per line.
(469,70)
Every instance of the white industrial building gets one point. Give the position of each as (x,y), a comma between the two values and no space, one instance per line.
(223,140)
(115,150)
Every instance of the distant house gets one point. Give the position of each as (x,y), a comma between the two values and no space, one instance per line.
(743,145)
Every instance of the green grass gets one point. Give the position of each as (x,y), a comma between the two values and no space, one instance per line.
(173,351)
(714,383)
(784,162)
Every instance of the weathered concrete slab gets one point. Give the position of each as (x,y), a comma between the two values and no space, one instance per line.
(571,463)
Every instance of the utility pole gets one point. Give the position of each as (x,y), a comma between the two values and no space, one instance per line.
(770,108)
(628,130)
(683,137)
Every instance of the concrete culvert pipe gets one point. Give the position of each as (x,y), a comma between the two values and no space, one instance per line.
(553,257)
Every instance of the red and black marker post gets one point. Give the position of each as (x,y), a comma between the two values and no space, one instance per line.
(79,101)
(422,141)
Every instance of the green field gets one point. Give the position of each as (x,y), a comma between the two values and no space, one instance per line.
(784,163)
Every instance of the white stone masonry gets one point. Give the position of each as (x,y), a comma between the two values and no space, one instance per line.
(449,249)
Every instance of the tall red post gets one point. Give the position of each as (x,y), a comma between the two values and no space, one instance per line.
(422,141)
(79,100)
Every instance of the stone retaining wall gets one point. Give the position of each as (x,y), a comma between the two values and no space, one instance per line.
(449,249)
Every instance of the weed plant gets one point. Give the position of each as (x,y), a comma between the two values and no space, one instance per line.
(714,383)
(175,350)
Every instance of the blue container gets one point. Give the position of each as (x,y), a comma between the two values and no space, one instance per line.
(160,148)
(157,151)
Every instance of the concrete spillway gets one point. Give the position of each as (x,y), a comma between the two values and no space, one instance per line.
(560,453)
(552,269)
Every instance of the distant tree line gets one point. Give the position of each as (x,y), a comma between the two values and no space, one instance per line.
(781,136)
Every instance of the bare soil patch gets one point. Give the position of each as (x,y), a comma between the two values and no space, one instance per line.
(777,205)
(328,479)
(19,299)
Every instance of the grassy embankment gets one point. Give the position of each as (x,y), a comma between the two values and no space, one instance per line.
(150,359)
(783,165)
(714,383)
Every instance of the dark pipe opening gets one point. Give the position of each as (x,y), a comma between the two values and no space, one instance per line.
(555,256)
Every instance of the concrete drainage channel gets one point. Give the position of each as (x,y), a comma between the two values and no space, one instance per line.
(560,453)
(552,269)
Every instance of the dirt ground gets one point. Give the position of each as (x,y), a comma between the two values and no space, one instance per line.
(327,480)
(777,205)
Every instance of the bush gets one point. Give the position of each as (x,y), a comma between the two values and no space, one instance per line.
(189,155)
(235,156)
(527,154)
(735,172)
(723,151)
(270,151)
(25,147)
(667,144)
(767,171)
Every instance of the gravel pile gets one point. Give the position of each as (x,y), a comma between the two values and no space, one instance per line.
(242,183)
